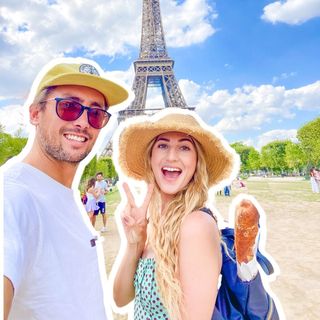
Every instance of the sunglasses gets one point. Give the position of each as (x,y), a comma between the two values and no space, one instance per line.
(70,110)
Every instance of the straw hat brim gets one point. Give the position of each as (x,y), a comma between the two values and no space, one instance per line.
(220,158)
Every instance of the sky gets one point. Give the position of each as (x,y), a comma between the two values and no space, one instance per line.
(250,68)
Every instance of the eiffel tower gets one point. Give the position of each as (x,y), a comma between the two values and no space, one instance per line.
(154,68)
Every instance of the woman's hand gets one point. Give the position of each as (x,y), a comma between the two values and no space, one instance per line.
(134,218)
(135,227)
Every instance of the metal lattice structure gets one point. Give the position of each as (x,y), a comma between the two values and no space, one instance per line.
(154,68)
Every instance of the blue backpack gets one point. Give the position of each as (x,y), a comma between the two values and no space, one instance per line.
(238,299)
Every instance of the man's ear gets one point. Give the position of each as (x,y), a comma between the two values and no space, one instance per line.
(34,114)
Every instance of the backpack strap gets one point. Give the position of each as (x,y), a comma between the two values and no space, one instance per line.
(210,213)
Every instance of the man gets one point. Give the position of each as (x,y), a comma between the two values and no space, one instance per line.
(51,262)
(102,186)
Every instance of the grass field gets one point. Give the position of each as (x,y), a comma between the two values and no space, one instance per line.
(113,199)
(279,190)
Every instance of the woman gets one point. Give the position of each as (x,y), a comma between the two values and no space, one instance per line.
(92,194)
(314,178)
(172,259)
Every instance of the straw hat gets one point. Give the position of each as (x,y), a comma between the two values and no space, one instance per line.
(135,134)
(82,74)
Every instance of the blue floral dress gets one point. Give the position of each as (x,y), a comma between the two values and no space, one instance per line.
(147,304)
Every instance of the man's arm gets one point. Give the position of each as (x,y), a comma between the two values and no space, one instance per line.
(7,296)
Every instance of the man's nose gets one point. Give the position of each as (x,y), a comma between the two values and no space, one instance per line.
(82,121)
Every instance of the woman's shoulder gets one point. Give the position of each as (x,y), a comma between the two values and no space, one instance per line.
(199,235)
(198,222)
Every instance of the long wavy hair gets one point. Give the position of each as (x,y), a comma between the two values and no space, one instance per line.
(165,224)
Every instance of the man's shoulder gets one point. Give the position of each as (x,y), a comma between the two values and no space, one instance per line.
(14,174)
(17,183)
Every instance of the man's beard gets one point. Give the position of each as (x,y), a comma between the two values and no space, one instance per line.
(56,151)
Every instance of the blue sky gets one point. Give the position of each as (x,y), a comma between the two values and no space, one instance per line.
(251,68)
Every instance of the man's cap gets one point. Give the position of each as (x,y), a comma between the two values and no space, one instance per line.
(86,75)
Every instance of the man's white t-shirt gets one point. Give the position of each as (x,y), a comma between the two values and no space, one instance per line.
(101,185)
(49,252)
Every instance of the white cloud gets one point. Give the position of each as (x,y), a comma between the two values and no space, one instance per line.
(192,91)
(14,118)
(188,23)
(305,98)
(283,76)
(251,107)
(33,32)
(291,11)
(274,135)
(126,76)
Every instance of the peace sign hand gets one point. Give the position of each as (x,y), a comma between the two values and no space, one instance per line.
(134,218)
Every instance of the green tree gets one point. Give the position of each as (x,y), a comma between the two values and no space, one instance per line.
(90,169)
(295,157)
(273,156)
(249,156)
(309,136)
(10,146)
(106,166)
(254,159)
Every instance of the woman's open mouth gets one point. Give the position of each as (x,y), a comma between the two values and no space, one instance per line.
(171,172)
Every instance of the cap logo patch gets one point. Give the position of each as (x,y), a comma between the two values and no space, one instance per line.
(88,68)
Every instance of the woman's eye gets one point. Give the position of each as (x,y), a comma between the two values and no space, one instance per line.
(184,148)
(162,146)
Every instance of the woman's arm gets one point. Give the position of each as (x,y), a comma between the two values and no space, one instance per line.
(135,227)
(94,191)
(123,287)
(199,265)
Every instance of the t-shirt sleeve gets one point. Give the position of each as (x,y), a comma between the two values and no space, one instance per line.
(18,233)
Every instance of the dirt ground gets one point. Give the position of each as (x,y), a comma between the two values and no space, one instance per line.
(293,240)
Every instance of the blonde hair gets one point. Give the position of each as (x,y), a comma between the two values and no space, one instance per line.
(166,244)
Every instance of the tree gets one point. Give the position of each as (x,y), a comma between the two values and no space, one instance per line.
(309,136)
(254,159)
(273,156)
(249,156)
(106,166)
(295,157)
(10,146)
(90,169)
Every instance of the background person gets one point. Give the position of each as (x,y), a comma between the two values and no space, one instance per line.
(313,181)
(92,195)
(102,187)
(51,262)
(317,177)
